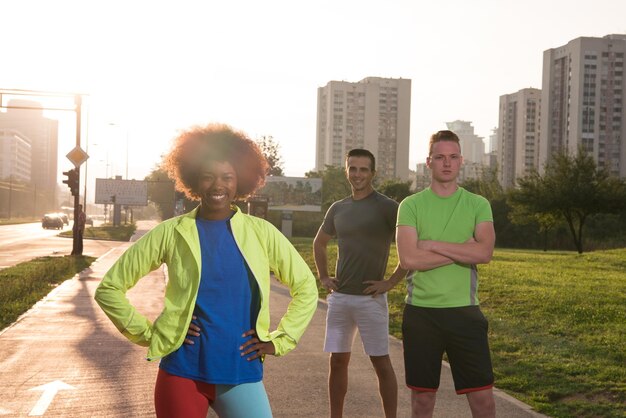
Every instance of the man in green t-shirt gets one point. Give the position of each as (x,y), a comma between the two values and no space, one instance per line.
(443,232)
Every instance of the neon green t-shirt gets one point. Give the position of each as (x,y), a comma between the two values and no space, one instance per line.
(451,219)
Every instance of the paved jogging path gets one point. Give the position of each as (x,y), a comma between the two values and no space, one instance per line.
(65,358)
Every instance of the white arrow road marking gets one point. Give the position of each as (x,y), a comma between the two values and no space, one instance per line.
(4,411)
(49,391)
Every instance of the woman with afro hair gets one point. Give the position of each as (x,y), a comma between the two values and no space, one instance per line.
(213,333)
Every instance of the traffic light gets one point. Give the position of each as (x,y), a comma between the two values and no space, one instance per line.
(72,181)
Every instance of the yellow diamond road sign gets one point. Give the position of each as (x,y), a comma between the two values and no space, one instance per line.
(77,156)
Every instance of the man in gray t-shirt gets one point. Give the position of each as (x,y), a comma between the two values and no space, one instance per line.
(364,229)
(364,225)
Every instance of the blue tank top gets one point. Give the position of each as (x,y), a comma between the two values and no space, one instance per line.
(227,305)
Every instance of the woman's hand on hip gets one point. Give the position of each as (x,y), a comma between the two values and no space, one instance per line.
(255,346)
(192,331)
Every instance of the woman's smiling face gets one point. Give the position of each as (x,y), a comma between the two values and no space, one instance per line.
(217,186)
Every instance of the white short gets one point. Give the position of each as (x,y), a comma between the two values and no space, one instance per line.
(346,313)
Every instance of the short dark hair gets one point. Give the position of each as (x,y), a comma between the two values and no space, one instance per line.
(442,136)
(361,152)
(215,142)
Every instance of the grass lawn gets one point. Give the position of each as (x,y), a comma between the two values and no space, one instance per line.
(557,326)
(23,285)
(106,232)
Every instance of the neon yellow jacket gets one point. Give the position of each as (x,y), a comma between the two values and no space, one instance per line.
(175,242)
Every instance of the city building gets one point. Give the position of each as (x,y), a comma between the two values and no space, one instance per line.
(42,132)
(491,157)
(582,102)
(493,141)
(15,156)
(518,135)
(422,177)
(472,145)
(471,171)
(373,113)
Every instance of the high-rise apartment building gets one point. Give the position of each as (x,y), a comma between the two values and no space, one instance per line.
(472,145)
(26,117)
(491,157)
(582,101)
(518,135)
(493,141)
(43,134)
(15,156)
(373,113)
(422,177)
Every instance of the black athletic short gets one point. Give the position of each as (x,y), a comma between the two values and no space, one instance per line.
(461,333)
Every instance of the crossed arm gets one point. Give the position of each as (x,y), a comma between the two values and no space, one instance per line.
(422,255)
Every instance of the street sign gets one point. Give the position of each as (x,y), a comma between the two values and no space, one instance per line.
(77,156)
(121,192)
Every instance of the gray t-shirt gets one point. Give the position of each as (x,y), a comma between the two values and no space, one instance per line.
(364,229)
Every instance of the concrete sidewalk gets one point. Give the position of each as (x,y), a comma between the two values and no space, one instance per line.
(110,377)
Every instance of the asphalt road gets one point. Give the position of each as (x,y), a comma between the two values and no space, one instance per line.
(23,242)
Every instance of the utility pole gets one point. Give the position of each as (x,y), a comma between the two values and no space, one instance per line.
(77,237)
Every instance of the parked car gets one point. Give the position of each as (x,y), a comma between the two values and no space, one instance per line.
(51,220)
(89,220)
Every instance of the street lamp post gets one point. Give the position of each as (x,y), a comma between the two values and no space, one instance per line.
(86,162)
(85,188)
(127,135)
(116,206)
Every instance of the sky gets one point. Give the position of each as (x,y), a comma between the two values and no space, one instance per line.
(152,68)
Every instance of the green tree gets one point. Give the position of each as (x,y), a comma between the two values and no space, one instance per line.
(334,184)
(271,150)
(545,222)
(395,189)
(487,185)
(571,188)
(161,192)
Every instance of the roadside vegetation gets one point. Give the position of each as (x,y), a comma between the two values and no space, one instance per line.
(106,232)
(21,286)
(14,221)
(557,326)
